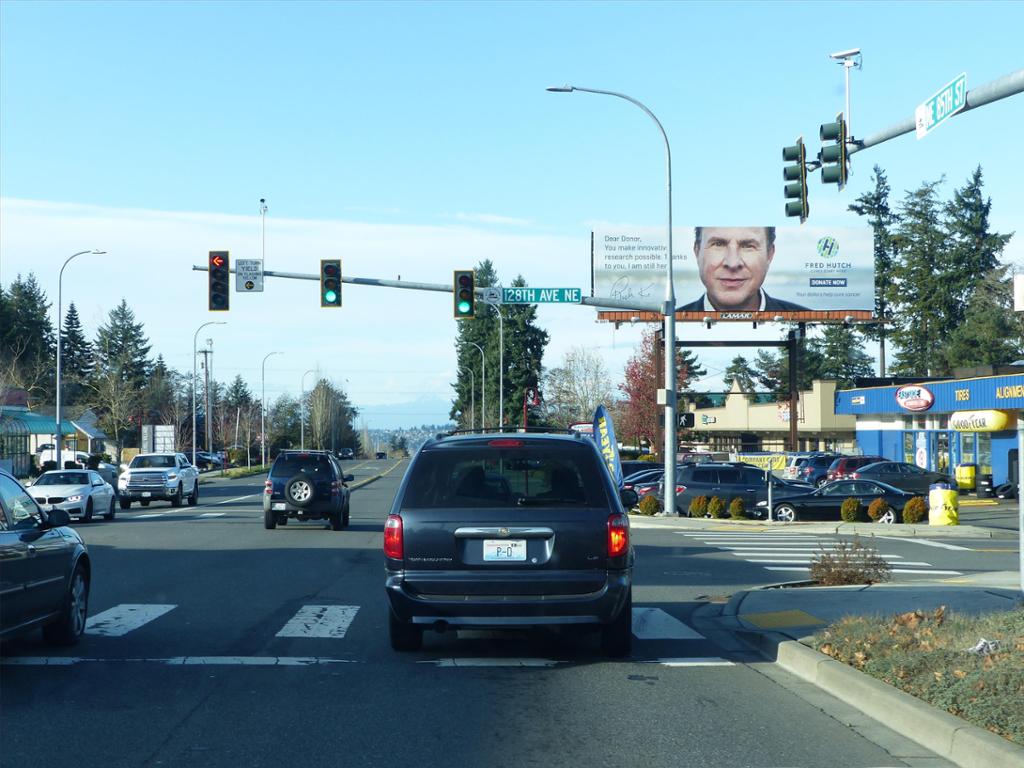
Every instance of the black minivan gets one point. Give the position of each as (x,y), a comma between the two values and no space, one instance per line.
(508,531)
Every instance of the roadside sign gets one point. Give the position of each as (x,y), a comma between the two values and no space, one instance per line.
(248,275)
(541,295)
(943,105)
(1018,293)
(492,295)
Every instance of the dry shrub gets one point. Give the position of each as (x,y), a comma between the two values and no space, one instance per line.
(716,508)
(914,511)
(737,511)
(849,562)
(850,510)
(649,505)
(698,506)
(877,508)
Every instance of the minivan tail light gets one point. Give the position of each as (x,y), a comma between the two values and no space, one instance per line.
(393,539)
(618,535)
(268,488)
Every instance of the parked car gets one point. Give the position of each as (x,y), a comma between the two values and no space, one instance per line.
(814,469)
(306,485)
(548,545)
(825,502)
(631,467)
(44,568)
(641,478)
(79,492)
(906,477)
(159,477)
(50,454)
(843,465)
(727,480)
(206,460)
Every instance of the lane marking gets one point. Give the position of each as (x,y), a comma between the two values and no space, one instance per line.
(122,619)
(212,514)
(711,661)
(927,543)
(320,621)
(240,498)
(656,624)
(788,561)
(484,662)
(180,661)
(894,570)
(149,515)
(800,552)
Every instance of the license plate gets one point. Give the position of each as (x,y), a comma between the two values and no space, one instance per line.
(278,505)
(146,494)
(496,550)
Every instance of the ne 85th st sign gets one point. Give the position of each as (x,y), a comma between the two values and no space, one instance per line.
(541,295)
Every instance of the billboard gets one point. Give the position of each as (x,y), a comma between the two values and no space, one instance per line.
(740,273)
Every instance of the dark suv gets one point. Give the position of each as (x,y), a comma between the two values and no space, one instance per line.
(814,469)
(727,481)
(306,485)
(507,531)
(844,465)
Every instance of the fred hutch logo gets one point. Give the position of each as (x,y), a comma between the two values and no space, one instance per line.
(914,398)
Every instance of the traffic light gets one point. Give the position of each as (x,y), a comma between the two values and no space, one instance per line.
(464,290)
(220,278)
(833,156)
(330,282)
(796,192)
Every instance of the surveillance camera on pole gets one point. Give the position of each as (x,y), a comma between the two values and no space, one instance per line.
(845,54)
(849,58)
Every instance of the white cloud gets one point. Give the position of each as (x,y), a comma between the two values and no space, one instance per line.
(491,218)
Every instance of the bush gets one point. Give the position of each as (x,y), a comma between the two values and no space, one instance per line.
(737,511)
(877,508)
(915,510)
(716,508)
(649,505)
(237,456)
(698,506)
(647,457)
(849,563)
(850,511)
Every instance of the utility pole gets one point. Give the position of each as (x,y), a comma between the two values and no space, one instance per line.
(206,393)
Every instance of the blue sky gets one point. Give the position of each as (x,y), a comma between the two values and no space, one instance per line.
(414,139)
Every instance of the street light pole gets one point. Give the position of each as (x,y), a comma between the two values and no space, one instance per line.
(263,408)
(472,384)
(483,386)
(58,443)
(669,310)
(302,411)
(501,368)
(195,375)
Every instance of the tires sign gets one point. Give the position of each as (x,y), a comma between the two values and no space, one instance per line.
(914,398)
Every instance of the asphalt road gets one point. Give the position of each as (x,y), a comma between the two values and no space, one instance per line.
(214,642)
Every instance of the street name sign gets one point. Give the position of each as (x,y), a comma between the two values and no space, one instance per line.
(248,275)
(541,295)
(943,105)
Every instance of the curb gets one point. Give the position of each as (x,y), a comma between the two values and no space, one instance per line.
(948,736)
(862,529)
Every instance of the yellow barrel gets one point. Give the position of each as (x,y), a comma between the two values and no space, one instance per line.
(966,476)
(943,505)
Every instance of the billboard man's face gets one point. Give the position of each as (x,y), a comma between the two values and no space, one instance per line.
(733,262)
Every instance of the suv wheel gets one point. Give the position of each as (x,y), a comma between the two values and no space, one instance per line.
(617,637)
(269,519)
(345,515)
(404,637)
(300,491)
(176,499)
(193,498)
(337,521)
(125,503)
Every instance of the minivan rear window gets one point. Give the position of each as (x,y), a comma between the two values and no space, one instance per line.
(527,476)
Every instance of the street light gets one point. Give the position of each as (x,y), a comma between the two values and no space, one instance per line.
(195,376)
(670,302)
(60,326)
(302,411)
(263,408)
(483,386)
(472,384)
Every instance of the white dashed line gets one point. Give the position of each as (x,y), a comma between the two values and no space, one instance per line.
(122,619)
(320,621)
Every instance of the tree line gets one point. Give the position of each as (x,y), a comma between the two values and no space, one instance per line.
(116,375)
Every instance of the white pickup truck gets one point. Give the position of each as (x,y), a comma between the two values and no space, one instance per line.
(159,477)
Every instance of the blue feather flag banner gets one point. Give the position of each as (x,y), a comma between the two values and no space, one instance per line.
(604,434)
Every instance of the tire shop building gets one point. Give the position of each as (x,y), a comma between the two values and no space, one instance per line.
(944,424)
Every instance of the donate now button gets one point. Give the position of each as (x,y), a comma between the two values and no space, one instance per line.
(828,282)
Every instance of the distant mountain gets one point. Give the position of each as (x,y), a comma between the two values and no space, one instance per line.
(424,410)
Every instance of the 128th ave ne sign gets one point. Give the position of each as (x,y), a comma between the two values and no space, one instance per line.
(541,295)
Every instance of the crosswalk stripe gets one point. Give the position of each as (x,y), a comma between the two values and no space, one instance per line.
(791,561)
(656,624)
(320,621)
(179,661)
(894,570)
(492,662)
(711,661)
(795,552)
(122,619)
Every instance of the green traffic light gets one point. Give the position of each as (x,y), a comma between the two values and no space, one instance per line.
(463,307)
(330,297)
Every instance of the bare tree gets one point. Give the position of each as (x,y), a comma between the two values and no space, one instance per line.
(21,371)
(574,389)
(115,403)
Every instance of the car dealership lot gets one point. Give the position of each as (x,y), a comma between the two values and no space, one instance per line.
(214,641)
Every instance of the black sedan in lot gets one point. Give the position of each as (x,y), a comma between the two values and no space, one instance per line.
(825,503)
(907,477)
(505,532)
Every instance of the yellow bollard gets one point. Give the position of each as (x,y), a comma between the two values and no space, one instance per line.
(943,505)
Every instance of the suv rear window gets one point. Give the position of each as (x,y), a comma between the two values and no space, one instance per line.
(533,475)
(295,463)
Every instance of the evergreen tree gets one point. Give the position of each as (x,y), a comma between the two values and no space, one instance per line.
(875,206)
(524,358)
(922,304)
(839,356)
(238,393)
(771,371)
(27,340)
(122,345)
(690,370)
(740,370)
(992,333)
(76,359)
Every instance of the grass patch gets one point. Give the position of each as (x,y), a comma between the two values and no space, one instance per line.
(246,471)
(925,654)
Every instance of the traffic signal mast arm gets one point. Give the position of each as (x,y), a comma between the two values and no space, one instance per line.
(591,301)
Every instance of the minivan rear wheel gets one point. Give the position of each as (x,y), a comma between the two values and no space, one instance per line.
(403,636)
(617,637)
